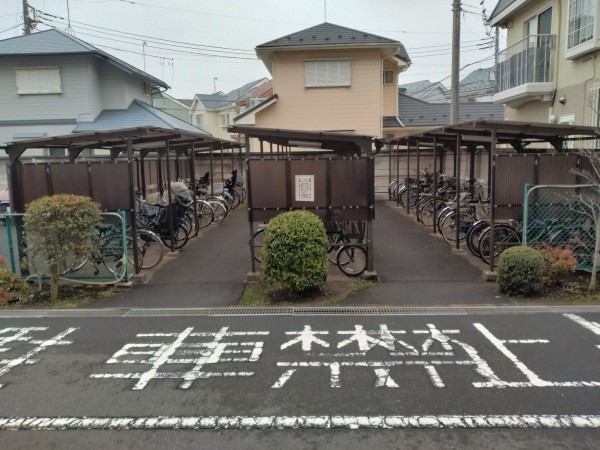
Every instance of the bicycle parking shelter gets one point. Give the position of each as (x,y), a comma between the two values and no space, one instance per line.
(137,157)
(519,153)
(328,173)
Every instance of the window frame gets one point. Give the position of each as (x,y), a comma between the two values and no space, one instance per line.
(575,50)
(312,77)
(24,85)
(387,71)
(227,120)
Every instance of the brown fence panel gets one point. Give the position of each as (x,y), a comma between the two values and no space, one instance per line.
(557,168)
(110,185)
(339,189)
(512,173)
(33,183)
(70,178)
(267,188)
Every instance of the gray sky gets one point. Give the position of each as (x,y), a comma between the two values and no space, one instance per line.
(189,43)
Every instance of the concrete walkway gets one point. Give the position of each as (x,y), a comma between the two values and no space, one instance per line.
(417,267)
(414,266)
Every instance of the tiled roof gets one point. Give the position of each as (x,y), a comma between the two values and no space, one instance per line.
(327,34)
(138,114)
(426,90)
(415,113)
(220,100)
(391,122)
(56,42)
(477,80)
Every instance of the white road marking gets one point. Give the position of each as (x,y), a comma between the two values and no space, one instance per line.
(533,379)
(591,326)
(304,422)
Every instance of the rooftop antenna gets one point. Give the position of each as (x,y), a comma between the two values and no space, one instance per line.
(325,9)
(144,53)
(69,29)
(215,85)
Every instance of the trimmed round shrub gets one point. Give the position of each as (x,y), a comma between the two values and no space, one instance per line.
(520,271)
(294,255)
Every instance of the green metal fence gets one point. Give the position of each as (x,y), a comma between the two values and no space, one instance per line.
(562,216)
(109,262)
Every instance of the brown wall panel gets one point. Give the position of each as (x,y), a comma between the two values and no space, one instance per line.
(512,173)
(33,182)
(70,178)
(557,168)
(110,185)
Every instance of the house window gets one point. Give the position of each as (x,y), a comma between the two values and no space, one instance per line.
(327,73)
(146,88)
(582,14)
(388,77)
(198,120)
(38,80)
(223,120)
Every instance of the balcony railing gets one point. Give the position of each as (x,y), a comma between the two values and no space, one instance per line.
(528,61)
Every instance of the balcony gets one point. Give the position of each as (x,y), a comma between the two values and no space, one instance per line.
(524,72)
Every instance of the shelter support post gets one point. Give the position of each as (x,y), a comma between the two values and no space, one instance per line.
(212,175)
(136,256)
(493,198)
(170,201)
(397,173)
(435,185)
(458,186)
(408,177)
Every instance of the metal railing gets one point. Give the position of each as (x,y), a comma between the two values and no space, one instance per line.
(110,262)
(530,60)
(562,216)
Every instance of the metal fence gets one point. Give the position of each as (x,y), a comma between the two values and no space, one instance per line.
(109,262)
(562,216)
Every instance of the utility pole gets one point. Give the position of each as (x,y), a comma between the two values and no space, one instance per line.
(27,26)
(455,61)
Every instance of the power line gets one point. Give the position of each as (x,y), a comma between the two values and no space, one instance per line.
(145,37)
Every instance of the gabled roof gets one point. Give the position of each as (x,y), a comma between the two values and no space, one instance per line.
(138,114)
(504,9)
(328,34)
(220,100)
(417,113)
(477,80)
(56,42)
(426,90)
(263,104)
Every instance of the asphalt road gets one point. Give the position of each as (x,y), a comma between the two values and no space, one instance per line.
(183,379)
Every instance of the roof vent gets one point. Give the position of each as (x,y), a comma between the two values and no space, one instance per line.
(314,37)
(326,38)
(339,36)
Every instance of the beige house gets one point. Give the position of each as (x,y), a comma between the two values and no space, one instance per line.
(331,78)
(214,112)
(550,70)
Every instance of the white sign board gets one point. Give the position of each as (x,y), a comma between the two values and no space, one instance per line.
(305,188)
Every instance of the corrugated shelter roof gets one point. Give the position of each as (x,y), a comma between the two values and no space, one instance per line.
(56,42)
(138,114)
(417,113)
(328,34)
(391,122)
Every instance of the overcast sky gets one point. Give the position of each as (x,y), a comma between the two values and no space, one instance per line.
(190,43)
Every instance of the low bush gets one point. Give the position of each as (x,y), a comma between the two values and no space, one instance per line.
(12,289)
(295,252)
(559,262)
(520,271)
(60,228)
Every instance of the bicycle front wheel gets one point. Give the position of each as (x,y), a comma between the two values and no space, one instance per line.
(206,215)
(150,249)
(352,259)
